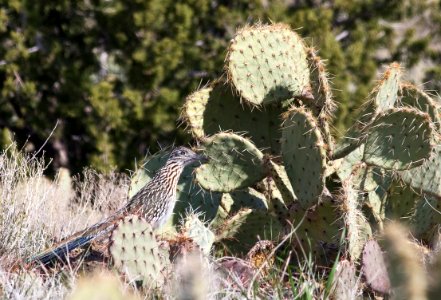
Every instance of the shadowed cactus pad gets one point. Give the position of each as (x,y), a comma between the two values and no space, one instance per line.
(374,268)
(414,97)
(304,155)
(215,108)
(399,139)
(267,63)
(427,177)
(136,252)
(254,226)
(234,163)
(426,217)
(319,229)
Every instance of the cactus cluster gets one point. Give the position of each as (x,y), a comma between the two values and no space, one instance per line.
(274,166)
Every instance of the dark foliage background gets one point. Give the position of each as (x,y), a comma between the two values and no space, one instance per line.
(113,74)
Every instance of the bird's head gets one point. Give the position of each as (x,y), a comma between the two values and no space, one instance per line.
(185,156)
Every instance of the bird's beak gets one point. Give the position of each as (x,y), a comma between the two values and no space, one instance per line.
(202,158)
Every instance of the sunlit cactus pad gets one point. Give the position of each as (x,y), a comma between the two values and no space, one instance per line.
(304,155)
(135,251)
(398,139)
(216,108)
(387,89)
(234,162)
(267,63)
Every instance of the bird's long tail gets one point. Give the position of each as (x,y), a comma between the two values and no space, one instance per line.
(77,240)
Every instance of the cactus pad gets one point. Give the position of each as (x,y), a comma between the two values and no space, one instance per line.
(374,268)
(216,108)
(267,63)
(359,230)
(255,226)
(399,139)
(401,202)
(234,163)
(282,182)
(136,252)
(414,97)
(319,233)
(345,281)
(387,89)
(323,106)
(304,155)
(427,177)
(199,233)
(426,217)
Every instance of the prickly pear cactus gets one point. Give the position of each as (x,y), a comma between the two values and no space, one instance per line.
(427,177)
(323,106)
(401,200)
(388,88)
(346,283)
(136,253)
(199,233)
(358,229)
(304,155)
(267,63)
(254,226)
(374,268)
(426,218)
(234,163)
(399,138)
(414,97)
(281,180)
(215,108)
(318,229)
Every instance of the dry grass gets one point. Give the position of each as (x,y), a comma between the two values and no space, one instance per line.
(36,212)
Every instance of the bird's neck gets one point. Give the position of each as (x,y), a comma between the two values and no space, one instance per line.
(169,175)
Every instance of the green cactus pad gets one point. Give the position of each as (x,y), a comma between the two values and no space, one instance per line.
(276,205)
(348,162)
(358,229)
(215,108)
(304,155)
(248,198)
(190,197)
(323,106)
(282,182)
(399,139)
(427,216)
(387,90)
(345,285)
(427,177)
(374,268)
(136,252)
(257,225)
(230,226)
(199,233)
(234,163)
(414,97)
(267,63)
(401,200)
(321,90)
(319,229)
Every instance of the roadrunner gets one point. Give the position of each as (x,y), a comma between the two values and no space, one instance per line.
(154,202)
